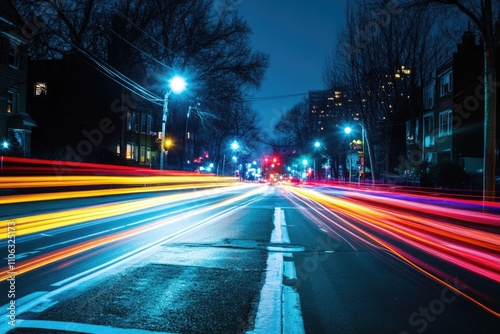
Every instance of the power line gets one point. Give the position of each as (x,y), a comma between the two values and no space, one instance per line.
(275,97)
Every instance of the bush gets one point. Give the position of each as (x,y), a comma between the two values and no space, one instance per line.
(449,175)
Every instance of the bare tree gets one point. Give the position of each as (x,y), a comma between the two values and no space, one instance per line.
(205,40)
(294,129)
(483,14)
(208,42)
(60,27)
(384,56)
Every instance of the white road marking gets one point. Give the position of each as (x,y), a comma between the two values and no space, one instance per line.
(279,306)
(292,314)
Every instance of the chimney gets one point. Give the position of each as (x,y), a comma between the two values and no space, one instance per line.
(468,41)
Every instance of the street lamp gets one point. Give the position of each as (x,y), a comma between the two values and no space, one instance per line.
(234,146)
(317,144)
(348,130)
(176,85)
(304,162)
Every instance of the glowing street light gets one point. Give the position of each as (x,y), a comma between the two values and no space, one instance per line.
(177,85)
(235,145)
(361,154)
(168,143)
(317,144)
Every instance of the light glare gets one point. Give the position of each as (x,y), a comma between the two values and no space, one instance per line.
(177,84)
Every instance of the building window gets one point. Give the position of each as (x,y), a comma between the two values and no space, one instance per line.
(131,151)
(132,122)
(12,101)
(14,55)
(149,125)
(40,89)
(445,123)
(144,124)
(19,142)
(135,122)
(445,82)
(412,132)
(429,96)
(428,130)
(428,125)
(142,158)
(148,155)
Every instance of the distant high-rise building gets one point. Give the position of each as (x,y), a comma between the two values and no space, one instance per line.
(330,109)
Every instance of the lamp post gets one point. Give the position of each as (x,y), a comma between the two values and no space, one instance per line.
(317,144)
(304,162)
(177,85)
(361,154)
(234,146)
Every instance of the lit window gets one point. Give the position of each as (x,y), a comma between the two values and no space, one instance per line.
(445,123)
(131,152)
(40,89)
(12,101)
(143,155)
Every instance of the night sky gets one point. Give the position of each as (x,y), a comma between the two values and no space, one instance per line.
(299,35)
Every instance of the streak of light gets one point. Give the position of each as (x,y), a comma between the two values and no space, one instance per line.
(39,261)
(38,223)
(56,167)
(88,180)
(429,231)
(12,199)
(415,195)
(408,203)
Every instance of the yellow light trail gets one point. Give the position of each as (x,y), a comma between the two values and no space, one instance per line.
(39,223)
(14,182)
(23,267)
(26,198)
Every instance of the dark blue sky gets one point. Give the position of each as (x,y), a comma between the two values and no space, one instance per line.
(299,35)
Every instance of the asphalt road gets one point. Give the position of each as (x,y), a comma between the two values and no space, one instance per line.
(254,259)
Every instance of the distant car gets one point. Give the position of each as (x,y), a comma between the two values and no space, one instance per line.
(295,180)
